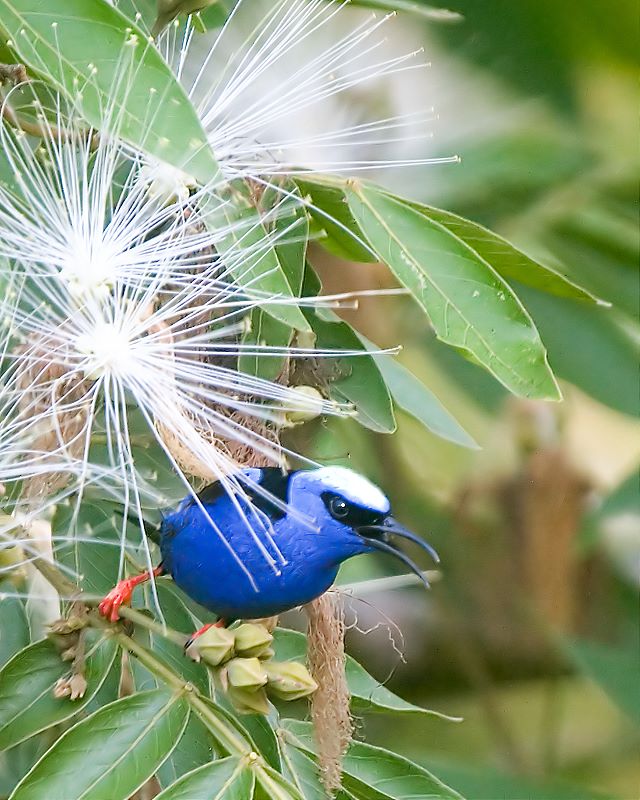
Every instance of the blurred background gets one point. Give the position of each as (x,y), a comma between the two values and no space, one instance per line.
(531,633)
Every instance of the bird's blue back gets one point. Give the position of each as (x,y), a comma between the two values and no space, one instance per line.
(230,573)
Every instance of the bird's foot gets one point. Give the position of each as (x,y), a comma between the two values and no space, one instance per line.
(121,594)
(219,624)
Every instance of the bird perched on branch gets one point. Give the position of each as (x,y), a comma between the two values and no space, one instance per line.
(277,547)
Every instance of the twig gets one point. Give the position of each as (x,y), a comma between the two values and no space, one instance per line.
(229,738)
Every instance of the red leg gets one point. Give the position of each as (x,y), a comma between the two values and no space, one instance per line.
(219,624)
(121,593)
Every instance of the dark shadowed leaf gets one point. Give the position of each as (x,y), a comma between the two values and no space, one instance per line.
(27,704)
(355,379)
(127,741)
(329,209)
(226,779)
(291,229)
(469,305)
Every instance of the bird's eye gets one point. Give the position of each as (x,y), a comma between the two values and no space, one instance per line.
(339,509)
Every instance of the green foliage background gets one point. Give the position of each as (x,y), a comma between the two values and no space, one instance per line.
(549,697)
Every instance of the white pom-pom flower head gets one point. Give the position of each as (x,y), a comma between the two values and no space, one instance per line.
(123,312)
(279,90)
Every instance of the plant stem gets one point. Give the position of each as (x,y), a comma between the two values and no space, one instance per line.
(227,736)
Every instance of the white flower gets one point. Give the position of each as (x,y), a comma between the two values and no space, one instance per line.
(278,90)
(121,312)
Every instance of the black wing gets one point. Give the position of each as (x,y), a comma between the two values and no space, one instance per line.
(273,481)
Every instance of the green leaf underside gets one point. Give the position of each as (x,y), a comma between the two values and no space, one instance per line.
(367,694)
(27,704)
(468,303)
(76,50)
(504,257)
(373,773)
(226,779)
(127,740)
(412,396)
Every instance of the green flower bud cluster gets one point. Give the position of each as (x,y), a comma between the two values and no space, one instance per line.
(246,671)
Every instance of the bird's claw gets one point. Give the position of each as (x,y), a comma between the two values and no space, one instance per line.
(119,595)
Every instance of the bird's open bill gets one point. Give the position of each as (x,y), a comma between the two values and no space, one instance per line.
(379,536)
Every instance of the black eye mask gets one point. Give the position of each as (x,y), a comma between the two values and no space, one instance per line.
(350,513)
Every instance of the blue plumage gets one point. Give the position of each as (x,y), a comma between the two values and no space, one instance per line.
(279,547)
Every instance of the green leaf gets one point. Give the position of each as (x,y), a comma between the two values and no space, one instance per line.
(419,9)
(291,230)
(412,396)
(14,626)
(588,347)
(178,617)
(486,783)
(372,773)
(468,303)
(27,704)
(300,769)
(109,755)
(329,208)
(95,562)
(263,736)
(194,749)
(259,267)
(614,669)
(356,378)
(94,46)
(504,257)
(277,787)
(215,15)
(367,694)
(226,779)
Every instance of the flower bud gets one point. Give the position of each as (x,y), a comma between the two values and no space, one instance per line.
(312,404)
(214,646)
(246,673)
(249,702)
(252,640)
(168,10)
(73,687)
(289,680)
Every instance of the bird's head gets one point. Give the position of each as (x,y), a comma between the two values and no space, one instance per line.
(352,513)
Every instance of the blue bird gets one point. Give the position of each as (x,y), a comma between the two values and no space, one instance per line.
(277,547)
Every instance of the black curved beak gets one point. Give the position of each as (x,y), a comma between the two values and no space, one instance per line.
(381,536)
